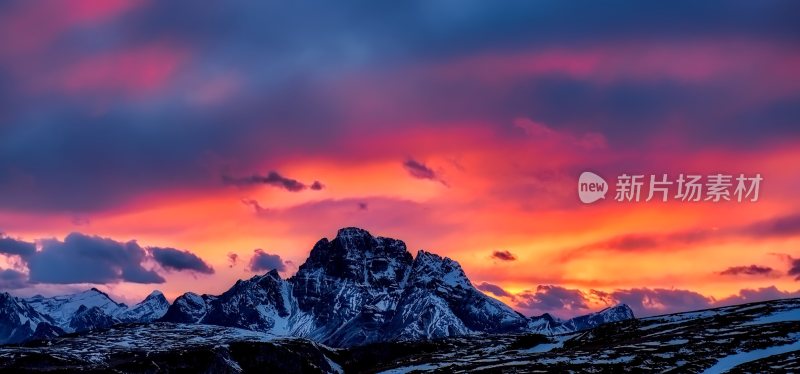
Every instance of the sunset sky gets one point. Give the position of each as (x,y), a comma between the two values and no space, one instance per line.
(180,146)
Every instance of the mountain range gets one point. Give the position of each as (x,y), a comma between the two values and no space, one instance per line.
(353,290)
(751,338)
(40,317)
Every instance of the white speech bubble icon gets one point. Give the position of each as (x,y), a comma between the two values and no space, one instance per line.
(591,187)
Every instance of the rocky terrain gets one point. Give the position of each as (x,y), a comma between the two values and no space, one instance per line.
(760,337)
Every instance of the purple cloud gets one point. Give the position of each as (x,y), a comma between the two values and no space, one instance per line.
(504,256)
(756,295)
(255,205)
(493,289)
(551,298)
(233,259)
(421,171)
(748,270)
(271,179)
(794,270)
(648,302)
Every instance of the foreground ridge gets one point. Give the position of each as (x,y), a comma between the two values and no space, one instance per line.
(758,337)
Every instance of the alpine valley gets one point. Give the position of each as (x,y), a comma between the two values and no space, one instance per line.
(364,304)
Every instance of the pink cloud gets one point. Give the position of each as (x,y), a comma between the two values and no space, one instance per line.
(689,62)
(131,72)
(35,25)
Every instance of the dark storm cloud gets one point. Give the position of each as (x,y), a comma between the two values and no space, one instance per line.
(493,289)
(748,270)
(178,260)
(263,261)
(504,256)
(550,297)
(11,246)
(89,259)
(271,179)
(12,279)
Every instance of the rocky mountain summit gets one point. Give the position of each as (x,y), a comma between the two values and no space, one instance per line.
(358,289)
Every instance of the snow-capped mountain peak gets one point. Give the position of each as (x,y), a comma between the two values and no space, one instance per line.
(429,267)
(151,308)
(63,308)
(46,317)
(18,320)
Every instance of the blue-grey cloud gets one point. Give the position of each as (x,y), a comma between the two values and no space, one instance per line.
(11,279)
(263,261)
(82,258)
(89,259)
(179,260)
(11,246)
